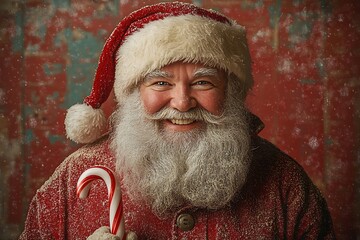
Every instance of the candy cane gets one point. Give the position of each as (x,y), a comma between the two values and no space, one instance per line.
(117,222)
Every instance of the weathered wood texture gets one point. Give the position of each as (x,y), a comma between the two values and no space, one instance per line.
(307,89)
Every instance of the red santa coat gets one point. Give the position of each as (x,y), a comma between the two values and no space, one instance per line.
(278,201)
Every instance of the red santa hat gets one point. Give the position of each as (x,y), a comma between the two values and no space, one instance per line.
(149,39)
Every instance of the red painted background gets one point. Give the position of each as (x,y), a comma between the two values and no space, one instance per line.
(306,67)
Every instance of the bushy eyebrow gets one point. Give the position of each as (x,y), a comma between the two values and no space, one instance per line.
(202,72)
(158,74)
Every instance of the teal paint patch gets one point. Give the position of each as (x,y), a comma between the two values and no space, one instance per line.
(41,28)
(32,48)
(55,138)
(52,68)
(252,4)
(117,7)
(275,13)
(38,18)
(297,2)
(307,81)
(301,28)
(109,8)
(320,66)
(102,33)
(18,39)
(83,52)
(29,136)
(329,141)
(35,98)
(62,4)
(53,96)
(197,2)
(62,37)
(28,111)
(326,7)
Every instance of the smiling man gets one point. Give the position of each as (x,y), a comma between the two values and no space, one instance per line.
(182,142)
(195,144)
(183,87)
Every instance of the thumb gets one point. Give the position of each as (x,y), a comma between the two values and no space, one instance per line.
(103,233)
(131,236)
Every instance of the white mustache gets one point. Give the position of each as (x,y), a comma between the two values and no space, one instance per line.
(197,114)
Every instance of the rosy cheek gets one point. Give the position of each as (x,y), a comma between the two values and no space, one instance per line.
(152,101)
(213,103)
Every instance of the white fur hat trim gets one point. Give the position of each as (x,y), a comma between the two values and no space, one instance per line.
(188,38)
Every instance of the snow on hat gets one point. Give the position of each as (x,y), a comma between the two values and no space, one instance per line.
(151,38)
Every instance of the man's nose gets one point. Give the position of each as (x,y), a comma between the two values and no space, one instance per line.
(182,99)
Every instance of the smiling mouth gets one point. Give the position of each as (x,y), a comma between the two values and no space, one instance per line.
(181,121)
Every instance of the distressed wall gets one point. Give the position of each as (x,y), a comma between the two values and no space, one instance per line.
(306,67)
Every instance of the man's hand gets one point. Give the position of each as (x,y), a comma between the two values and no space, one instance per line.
(103,233)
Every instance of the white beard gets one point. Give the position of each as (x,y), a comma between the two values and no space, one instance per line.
(204,168)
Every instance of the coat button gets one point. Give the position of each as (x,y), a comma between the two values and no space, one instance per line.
(185,222)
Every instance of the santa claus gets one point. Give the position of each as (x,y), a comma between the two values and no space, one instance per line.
(182,142)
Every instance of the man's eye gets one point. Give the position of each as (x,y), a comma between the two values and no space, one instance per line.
(203,85)
(201,82)
(161,83)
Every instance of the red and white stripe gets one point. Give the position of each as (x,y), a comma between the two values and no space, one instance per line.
(117,222)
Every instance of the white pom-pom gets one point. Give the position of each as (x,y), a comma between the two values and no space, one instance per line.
(84,124)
